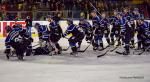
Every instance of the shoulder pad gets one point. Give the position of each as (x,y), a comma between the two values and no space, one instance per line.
(71,27)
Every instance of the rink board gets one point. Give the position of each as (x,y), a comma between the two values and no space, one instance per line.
(3,24)
(62,23)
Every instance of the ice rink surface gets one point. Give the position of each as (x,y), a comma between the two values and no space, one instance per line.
(84,68)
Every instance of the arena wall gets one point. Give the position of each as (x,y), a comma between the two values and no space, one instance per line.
(3,24)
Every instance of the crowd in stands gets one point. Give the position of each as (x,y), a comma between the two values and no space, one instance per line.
(76,6)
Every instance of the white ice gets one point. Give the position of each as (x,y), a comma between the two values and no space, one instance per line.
(84,68)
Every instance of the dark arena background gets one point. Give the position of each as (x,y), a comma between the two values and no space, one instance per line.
(74,40)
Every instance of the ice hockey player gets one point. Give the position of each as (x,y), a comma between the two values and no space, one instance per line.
(147,41)
(104,23)
(127,31)
(57,17)
(97,31)
(43,34)
(18,39)
(132,45)
(77,36)
(87,28)
(82,35)
(28,28)
(28,25)
(143,33)
(125,15)
(116,28)
(55,34)
(135,16)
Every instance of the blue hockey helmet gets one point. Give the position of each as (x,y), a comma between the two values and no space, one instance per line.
(82,19)
(69,21)
(37,24)
(8,29)
(128,18)
(93,11)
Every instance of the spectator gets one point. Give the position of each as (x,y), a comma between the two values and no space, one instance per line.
(73,7)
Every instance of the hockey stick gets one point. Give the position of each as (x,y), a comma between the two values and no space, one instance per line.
(94,8)
(122,52)
(144,51)
(114,49)
(119,52)
(35,45)
(85,48)
(107,50)
(108,45)
(104,48)
(78,51)
(103,54)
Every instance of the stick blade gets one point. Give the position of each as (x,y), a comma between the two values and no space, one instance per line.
(119,52)
(81,51)
(100,55)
